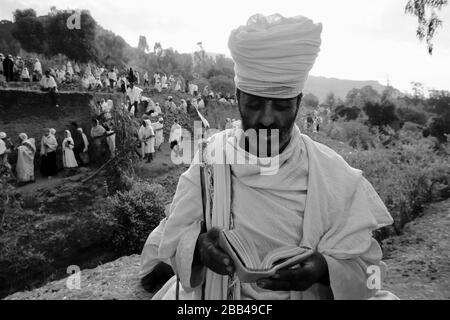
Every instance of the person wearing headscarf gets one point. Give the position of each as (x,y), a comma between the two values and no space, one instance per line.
(6,147)
(78,141)
(97,134)
(25,159)
(110,138)
(275,186)
(146,136)
(158,110)
(84,156)
(68,145)
(175,137)
(8,68)
(183,106)
(49,144)
(159,133)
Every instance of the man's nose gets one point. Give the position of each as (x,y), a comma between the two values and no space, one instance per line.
(266,116)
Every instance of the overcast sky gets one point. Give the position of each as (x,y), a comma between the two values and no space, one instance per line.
(361,40)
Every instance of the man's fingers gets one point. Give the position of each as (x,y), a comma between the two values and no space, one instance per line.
(291,275)
(217,260)
(274,285)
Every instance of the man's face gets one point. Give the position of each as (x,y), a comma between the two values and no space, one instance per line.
(260,113)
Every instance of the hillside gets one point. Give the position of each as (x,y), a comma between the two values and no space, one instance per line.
(321,86)
(107,48)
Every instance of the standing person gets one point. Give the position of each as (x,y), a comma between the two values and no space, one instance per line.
(159,133)
(163,81)
(84,156)
(97,135)
(77,69)
(25,159)
(110,138)
(8,68)
(183,106)
(112,77)
(147,138)
(2,57)
(178,86)
(78,142)
(146,83)
(69,161)
(158,110)
(49,144)
(123,84)
(134,94)
(25,75)
(48,84)
(312,201)
(131,76)
(175,137)
(5,149)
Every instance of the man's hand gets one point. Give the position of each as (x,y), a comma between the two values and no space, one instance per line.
(209,253)
(310,271)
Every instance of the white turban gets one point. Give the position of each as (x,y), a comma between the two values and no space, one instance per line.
(273,55)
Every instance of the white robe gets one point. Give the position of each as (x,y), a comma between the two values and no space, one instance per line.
(69,160)
(25,161)
(341,209)
(159,133)
(147,143)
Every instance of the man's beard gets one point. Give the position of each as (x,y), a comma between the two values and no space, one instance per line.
(266,141)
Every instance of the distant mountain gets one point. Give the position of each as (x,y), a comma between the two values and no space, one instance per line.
(321,86)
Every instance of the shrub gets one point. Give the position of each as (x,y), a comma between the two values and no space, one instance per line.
(137,212)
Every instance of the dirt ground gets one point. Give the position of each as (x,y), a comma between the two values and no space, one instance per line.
(419,260)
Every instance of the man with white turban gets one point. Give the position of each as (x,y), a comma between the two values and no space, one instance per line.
(288,191)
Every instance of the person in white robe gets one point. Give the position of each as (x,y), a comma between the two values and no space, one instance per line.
(175,137)
(25,159)
(69,160)
(183,106)
(37,68)
(85,83)
(69,68)
(25,75)
(158,110)
(146,137)
(178,86)
(297,193)
(159,133)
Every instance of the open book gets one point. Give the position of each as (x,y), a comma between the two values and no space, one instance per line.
(249,267)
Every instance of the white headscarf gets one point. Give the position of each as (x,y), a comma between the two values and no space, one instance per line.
(273,54)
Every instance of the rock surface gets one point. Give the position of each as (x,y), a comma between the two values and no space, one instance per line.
(117,280)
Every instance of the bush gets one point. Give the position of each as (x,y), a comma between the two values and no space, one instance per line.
(406,177)
(137,213)
(412,115)
(355,133)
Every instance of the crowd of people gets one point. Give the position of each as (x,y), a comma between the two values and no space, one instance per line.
(90,76)
(76,151)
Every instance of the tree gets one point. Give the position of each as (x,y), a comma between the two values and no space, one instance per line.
(76,44)
(310,101)
(381,114)
(222,84)
(427,25)
(28,30)
(143,45)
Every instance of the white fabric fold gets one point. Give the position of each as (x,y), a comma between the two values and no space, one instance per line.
(273,55)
